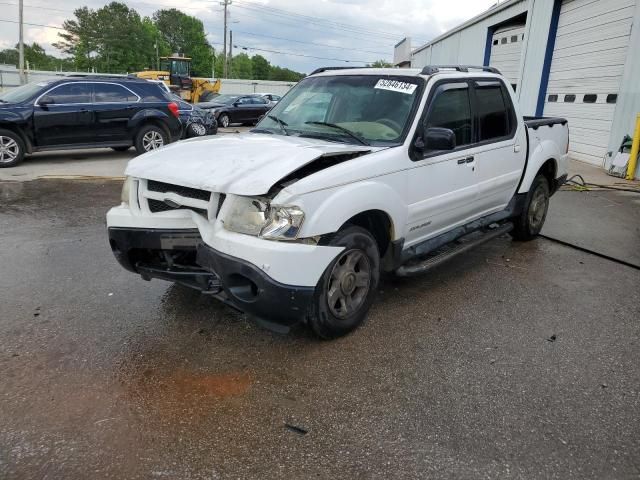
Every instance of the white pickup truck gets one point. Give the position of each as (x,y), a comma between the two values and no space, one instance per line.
(353,173)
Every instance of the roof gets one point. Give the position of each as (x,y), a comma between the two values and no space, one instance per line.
(100,78)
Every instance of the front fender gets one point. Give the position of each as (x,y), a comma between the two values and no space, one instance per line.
(332,210)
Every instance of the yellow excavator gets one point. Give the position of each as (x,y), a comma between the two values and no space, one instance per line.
(175,72)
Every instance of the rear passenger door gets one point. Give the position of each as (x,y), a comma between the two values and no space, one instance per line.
(501,159)
(114,105)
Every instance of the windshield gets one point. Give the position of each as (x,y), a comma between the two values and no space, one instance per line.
(366,109)
(20,94)
(226,99)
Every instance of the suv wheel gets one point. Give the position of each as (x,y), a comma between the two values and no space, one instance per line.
(150,138)
(528,224)
(347,288)
(11,149)
(224,120)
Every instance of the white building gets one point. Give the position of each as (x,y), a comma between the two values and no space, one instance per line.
(579,59)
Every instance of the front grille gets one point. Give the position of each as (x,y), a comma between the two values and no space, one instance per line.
(162,187)
(156,206)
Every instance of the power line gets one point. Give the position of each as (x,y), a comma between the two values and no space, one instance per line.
(309,43)
(33,24)
(303,55)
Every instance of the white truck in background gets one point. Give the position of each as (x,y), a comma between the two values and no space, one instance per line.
(353,173)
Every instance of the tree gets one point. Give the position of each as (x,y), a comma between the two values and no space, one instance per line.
(381,64)
(260,67)
(241,66)
(36,58)
(112,39)
(185,34)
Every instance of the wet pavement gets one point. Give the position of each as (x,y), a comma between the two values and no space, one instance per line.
(513,361)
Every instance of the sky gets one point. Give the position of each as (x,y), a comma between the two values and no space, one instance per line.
(289,33)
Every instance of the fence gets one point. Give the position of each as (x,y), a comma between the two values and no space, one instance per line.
(10,78)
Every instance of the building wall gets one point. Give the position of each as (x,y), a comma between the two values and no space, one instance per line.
(466,45)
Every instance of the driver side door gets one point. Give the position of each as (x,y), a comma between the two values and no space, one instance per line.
(443,184)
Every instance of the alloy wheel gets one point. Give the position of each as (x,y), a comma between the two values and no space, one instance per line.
(9,149)
(152,140)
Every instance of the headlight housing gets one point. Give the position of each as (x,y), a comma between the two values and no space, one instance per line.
(126,190)
(255,216)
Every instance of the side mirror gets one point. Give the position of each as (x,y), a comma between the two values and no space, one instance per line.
(46,100)
(236,104)
(436,138)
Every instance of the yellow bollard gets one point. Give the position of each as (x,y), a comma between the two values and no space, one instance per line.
(635,148)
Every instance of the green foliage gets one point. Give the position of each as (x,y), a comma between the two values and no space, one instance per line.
(260,67)
(380,64)
(35,58)
(185,34)
(111,39)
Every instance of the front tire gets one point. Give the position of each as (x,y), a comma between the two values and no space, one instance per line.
(348,286)
(12,149)
(224,120)
(150,137)
(529,223)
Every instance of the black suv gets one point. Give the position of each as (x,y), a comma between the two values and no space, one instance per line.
(86,112)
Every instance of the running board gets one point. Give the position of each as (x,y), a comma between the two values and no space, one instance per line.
(452,251)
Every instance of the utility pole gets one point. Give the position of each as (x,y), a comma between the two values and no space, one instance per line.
(21,42)
(230,53)
(225,4)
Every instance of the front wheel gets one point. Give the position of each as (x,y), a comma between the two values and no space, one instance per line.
(347,288)
(529,223)
(150,137)
(11,149)
(224,120)
(196,129)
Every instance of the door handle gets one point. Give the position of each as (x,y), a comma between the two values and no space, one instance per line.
(469,159)
(461,161)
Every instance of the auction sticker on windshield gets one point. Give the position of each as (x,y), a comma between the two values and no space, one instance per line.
(396,86)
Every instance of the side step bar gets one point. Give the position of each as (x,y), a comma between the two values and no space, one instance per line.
(464,246)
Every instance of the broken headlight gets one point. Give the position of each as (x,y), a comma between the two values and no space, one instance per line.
(254,216)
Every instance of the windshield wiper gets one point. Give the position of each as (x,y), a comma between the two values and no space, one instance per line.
(281,123)
(342,129)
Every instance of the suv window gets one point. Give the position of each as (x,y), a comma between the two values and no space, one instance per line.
(112,93)
(493,112)
(451,109)
(71,93)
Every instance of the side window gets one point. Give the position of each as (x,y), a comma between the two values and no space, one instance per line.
(493,112)
(71,93)
(244,100)
(111,93)
(451,109)
(258,101)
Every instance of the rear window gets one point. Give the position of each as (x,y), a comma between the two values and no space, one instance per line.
(493,111)
(112,93)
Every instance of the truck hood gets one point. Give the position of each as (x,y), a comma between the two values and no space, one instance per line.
(240,164)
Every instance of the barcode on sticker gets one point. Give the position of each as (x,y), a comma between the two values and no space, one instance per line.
(396,86)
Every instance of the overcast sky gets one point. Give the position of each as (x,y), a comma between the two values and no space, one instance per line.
(355,30)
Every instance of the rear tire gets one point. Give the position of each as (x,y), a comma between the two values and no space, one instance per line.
(529,223)
(12,149)
(150,137)
(348,286)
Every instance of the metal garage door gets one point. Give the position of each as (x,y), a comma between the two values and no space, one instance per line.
(587,66)
(506,50)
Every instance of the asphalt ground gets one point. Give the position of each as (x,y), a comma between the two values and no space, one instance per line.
(516,360)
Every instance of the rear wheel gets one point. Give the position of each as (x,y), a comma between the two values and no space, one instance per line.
(347,288)
(12,149)
(529,223)
(150,137)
